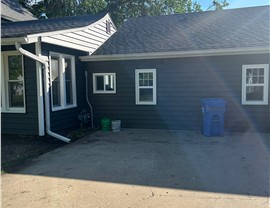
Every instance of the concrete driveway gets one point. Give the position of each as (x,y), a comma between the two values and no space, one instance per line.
(146,168)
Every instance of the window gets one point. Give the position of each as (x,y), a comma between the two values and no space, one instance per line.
(108,27)
(13,87)
(104,83)
(63,86)
(255,84)
(145,84)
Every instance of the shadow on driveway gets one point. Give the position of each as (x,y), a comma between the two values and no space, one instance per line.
(234,164)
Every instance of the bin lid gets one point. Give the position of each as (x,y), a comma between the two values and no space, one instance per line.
(213,103)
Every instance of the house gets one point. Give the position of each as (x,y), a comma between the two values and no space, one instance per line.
(43,80)
(154,71)
(12,11)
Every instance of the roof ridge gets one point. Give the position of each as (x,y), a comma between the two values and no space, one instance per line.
(98,15)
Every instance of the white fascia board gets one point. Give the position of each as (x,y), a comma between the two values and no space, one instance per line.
(177,54)
(22,40)
(47,34)
(9,18)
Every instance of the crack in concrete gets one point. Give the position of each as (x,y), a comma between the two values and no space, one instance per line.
(153,174)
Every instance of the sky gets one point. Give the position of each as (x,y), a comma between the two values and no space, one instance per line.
(236,3)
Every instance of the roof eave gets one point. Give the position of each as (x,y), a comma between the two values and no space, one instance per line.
(8,18)
(22,40)
(177,54)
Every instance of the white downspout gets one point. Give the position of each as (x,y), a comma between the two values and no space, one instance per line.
(40,93)
(46,83)
(87,99)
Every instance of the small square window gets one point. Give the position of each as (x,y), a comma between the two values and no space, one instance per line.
(104,83)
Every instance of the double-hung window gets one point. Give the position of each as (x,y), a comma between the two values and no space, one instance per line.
(63,84)
(13,87)
(104,83)
(145,85)
(255,84)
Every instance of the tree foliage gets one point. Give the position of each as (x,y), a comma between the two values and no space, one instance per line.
(218,5)
(135,8)
(119,9)
(63,8)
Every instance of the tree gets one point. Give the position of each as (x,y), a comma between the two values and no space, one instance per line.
(120,10)
(124,9)
(218,5)
(59,8)
(181,6)
(63,8)
(91,6)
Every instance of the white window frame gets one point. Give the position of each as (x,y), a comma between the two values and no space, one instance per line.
(63,102)
(95,91)
(265,84)
(137,87)
(5,108)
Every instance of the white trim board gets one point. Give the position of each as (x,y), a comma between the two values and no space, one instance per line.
(11,41)
(177,54)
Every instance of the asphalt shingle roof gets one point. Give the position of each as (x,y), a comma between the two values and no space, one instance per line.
(23,28)
(245,27)
(11,9)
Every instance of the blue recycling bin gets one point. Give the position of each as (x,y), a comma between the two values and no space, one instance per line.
(213,110)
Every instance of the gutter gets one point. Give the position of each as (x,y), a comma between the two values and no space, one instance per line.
(176,54)
(46,83)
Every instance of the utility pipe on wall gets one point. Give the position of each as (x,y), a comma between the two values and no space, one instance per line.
(87,99)
(46,83)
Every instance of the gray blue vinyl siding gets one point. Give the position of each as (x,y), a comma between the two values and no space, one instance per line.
(24,123)
(181,84)
(27,123)
(68,118)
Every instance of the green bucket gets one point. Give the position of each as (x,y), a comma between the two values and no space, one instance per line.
(105,124)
